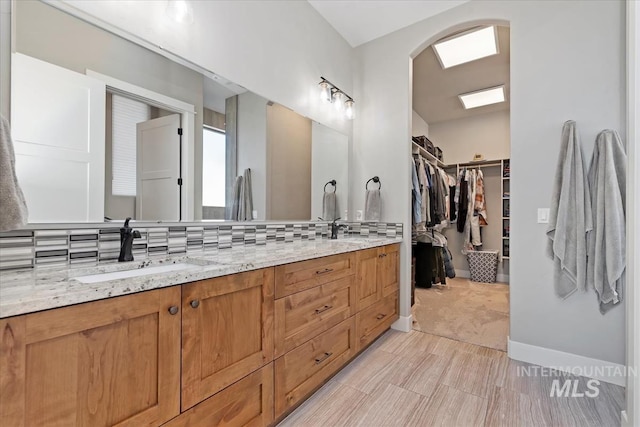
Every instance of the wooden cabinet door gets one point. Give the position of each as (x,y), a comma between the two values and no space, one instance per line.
(227,331)
(389,269)
(114,362)
(367,284)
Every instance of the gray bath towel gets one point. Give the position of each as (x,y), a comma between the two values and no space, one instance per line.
(607,254)
(330,206)
(570,217)
(246,198)
(372,205)
(13,207)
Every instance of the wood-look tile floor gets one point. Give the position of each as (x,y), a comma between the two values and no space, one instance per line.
(418,379)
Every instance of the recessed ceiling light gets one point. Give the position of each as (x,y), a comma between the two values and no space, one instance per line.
(482,97)
(466,47)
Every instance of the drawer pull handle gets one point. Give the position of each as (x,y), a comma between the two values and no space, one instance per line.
(195,303)
(326,270)
(381,316)
(382,255)
(323,309)
(173,310)
(322,358)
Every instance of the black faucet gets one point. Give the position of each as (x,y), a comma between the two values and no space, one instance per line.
(126,241)
(335,227)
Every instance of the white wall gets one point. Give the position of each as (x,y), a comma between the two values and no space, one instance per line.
(252,146)
(329,160)
(418,125)
(486,134)
(277,49)
(557,74)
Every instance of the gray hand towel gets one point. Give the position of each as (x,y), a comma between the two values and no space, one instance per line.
(247,197)
(570,217)
(237,193)
(13,207)
(606,243)
(329,206)
(372,205)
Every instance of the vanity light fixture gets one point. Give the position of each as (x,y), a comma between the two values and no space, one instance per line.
(480,98)
(467,46)
(348,109)
(340,100)
(180,11)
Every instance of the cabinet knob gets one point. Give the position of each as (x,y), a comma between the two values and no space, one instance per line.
(173,310)
(195,303)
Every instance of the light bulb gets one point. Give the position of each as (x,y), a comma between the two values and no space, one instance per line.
(325,92)
(180,11)
(338,102)
(348,109)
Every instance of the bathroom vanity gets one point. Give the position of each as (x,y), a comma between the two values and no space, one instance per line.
(237,338)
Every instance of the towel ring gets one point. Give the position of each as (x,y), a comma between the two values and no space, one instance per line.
(332,182)
(376,180)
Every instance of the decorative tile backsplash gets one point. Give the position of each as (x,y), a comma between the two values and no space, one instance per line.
(89,246)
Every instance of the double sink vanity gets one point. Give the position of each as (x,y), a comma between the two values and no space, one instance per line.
(238,336)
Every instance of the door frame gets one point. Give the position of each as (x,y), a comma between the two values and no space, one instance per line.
(187,119)
(631,415)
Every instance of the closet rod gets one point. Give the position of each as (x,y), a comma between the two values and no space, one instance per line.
(486,163)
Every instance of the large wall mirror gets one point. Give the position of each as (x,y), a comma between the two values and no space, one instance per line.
(106,129)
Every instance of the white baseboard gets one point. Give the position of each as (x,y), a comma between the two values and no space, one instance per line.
(403,324)
(613,373)
(465,274)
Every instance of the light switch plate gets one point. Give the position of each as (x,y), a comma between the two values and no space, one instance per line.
(358,215)
(543,215)
(254,214)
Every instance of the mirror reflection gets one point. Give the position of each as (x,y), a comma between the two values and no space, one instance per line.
(106,129)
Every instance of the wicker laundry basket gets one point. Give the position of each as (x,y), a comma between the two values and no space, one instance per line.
(483,266)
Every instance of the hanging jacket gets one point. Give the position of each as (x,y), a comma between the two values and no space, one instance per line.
(480,205)
(463,202)
(416,196)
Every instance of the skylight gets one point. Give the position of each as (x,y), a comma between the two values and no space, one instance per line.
(466,47)
(482,97)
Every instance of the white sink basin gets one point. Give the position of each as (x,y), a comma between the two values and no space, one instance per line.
(115,275)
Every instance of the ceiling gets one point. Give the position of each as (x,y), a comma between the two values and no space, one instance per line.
(436,90)
(360,21)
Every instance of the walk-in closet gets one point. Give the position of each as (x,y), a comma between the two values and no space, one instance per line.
(460,187)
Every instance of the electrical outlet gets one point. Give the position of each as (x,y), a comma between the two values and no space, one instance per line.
(254,214)
(543,215)
(359,215)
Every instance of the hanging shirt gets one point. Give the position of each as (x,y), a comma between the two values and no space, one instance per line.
(417,196)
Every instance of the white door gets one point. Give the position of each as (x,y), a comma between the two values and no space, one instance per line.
(158,165)
(58,128)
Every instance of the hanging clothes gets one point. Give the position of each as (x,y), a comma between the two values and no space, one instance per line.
(480,203)
(416,195)
(463,201)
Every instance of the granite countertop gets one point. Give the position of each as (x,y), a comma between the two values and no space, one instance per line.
(28,291)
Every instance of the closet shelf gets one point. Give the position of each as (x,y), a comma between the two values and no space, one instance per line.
(417,149)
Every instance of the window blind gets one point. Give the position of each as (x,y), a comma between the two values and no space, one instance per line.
(126,113)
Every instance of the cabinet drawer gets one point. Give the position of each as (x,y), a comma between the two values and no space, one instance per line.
(303,315)
(376,319)
(249,402)
(298,276)
(299,372)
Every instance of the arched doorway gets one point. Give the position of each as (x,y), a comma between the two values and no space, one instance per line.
(461,256)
